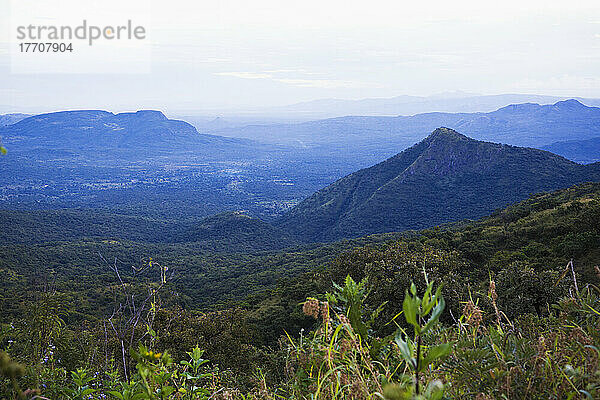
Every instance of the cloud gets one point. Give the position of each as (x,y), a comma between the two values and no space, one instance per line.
(275,75)
(291,70)
(326,83)
(246,75)
(566,84)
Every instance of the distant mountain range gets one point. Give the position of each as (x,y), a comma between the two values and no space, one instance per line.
(525,124)
(582,151)
(446,177)
(367,138)
(456,102)
(144,163)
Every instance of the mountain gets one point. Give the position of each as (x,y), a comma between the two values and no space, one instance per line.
(457,102)
(533,124)
(9,119)
(526,124)
(446,177)
(102,130)
(141,163)
(582,151)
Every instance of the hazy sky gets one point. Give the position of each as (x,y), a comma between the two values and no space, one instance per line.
(237,54)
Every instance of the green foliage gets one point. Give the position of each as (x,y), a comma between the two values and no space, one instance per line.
(517,324)
(351,296)
(11,371)
(421,314)
(336,361)
(82,385)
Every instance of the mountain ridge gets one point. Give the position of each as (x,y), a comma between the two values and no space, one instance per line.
(585,151)
(527,124)
(9,119)
(410,105)
(445,177)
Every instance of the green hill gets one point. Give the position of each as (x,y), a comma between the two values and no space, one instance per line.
(446,177)
(226,232)
(237,232)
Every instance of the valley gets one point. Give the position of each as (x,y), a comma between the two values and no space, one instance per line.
(316,200)
(227,239)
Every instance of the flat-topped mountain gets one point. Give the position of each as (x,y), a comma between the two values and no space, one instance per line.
(446,177)
(96,129)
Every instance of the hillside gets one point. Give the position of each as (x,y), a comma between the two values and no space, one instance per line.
(237,231)
(446,177)
(225,232)
(523,249)
(582,151)
(543,233)
(9,119)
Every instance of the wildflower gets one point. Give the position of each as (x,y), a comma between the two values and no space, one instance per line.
(493,293)
(324,309)
(311,308)
(344,319)
(473,315)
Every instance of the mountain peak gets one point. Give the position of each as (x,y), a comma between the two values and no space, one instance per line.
(446,133)
(150,115)
(519,108)
(444,178)
(569,104)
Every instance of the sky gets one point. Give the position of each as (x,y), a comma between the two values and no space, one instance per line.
(205,56)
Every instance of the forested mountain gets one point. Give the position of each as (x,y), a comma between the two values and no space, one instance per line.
(237,231)
(446,177)
(534,238)
(582,151)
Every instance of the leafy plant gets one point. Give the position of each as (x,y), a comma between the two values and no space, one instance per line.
(82,381)
(421,314)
